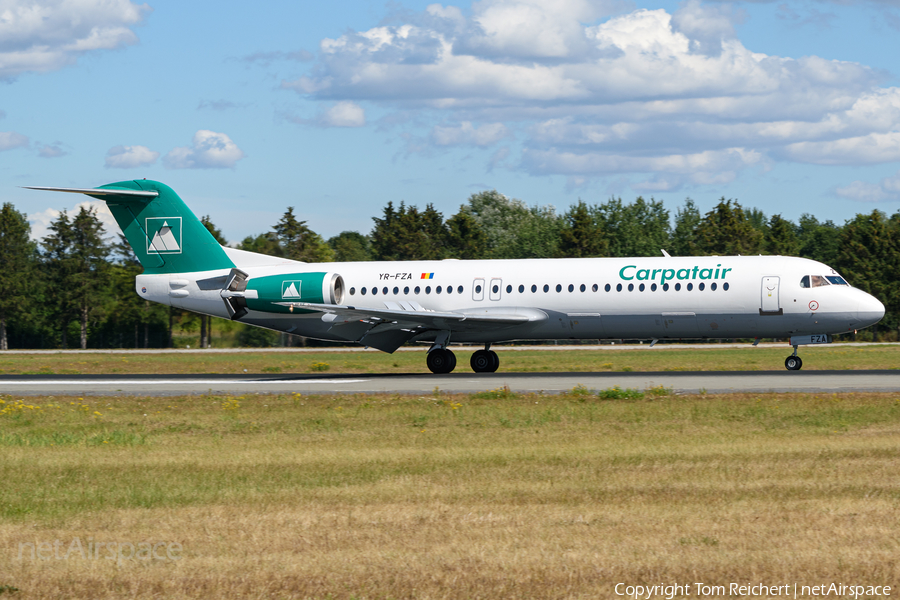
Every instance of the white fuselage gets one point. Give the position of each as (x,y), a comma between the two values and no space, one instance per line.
(635,298)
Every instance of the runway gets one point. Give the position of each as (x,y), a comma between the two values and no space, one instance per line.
(462,382)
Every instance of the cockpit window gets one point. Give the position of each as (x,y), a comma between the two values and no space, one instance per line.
(836,279)
(818,280)
(804,283)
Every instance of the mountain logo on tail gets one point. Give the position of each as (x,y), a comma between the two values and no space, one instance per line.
(290,290)
(164,235)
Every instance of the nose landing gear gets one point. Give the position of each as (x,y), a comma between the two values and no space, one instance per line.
(793,362)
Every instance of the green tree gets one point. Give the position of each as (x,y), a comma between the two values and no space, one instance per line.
(264,243)
(637,229)
(75,256)
(350,246)
(781,237)
(687,218)
(466,238)
(56,270)
(580,235)
(757,218)
(725,230)
(818,241)
(408,234)
(869,257)
(17,275)
(512,229)
(298,242)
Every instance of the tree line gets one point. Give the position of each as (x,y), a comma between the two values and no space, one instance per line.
(77,284)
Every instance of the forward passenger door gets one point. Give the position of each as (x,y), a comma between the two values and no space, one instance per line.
(770,303)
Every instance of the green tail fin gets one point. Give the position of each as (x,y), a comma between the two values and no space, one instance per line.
(163,232)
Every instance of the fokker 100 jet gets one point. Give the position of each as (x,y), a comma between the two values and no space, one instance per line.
(387,304)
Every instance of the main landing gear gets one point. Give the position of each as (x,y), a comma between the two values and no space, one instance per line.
(485,361)
(442,360)
(793,362)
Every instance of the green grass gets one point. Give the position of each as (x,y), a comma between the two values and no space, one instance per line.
(193,450)
(601,360)
(491,495)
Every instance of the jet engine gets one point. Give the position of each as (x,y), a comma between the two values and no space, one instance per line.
(280,293)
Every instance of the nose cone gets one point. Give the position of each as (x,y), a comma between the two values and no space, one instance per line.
(870,311)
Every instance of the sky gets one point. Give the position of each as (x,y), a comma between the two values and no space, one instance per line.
(337,108)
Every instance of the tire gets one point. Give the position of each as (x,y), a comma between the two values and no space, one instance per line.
(793,363)
(495,361)
(441,361)
(482,361)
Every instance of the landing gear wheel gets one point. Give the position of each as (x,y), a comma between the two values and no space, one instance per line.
(484,361)
(793,363)
(496,361)
(441,361)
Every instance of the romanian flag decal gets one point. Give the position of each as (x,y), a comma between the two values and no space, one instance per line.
(427,276)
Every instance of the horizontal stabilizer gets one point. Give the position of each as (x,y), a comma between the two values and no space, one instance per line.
(97,191)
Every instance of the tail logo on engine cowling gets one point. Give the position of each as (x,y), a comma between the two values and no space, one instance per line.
(164,235)
(290,289)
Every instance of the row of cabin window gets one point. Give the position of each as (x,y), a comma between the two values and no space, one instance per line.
(559,288)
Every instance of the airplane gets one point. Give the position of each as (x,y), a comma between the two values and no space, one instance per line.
(386,304)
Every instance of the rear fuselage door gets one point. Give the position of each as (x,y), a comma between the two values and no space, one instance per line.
(478,289)
(770,304)
(496,286)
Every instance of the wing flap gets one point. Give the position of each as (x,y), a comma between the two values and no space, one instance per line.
(425,319)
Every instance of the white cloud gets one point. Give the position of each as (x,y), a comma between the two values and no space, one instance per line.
(46,35)
(467,134)
(51,150)
(11,139)
(40,221)
(866,149)
(707,167)
(344,114)
(209,150)
(130,157)
(598,91)
(706,26)
(888,190)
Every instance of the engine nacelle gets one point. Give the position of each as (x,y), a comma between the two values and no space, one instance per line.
(280,293)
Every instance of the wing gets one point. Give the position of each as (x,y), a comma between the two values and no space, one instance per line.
(389,328)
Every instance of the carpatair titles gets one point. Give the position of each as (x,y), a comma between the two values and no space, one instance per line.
(663,275)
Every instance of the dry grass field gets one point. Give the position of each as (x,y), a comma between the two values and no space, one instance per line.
(598,359)
(490,495)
